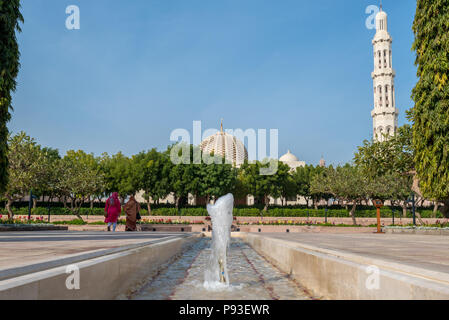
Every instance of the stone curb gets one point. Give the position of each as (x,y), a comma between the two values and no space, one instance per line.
(103,277)
(340,275)
(31,227)
(20,271)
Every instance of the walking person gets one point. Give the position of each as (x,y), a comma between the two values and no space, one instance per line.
(132,209)
(113,210)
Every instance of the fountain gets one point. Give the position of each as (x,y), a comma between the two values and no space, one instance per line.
(207,263)
(216,274)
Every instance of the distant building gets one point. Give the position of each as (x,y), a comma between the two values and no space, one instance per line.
(322,162)
(292,161)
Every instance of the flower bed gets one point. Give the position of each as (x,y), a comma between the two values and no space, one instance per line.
(302,223)
(123,221)
(21,220)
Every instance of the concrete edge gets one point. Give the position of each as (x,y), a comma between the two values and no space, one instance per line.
(336,275)
(429,232)
(392,266)
(25,227)
(104,277)
(49,264)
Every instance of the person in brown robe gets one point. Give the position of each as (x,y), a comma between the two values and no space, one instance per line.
(131,208)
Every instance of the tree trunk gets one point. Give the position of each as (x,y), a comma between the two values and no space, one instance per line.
(176,201)
(445,209)
(9,209)
(315,204)
(64,201)
(404,209)
(76,209)
(91,204)
(435,209)
(266,203)
(418,215)
(79,216)
(149,206)
(352,213)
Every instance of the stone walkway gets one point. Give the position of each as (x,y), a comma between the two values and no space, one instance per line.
(23,250)
(419,251)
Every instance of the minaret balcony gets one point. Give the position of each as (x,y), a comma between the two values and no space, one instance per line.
(389,72)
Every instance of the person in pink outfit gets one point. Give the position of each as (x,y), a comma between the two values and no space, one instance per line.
(113,210)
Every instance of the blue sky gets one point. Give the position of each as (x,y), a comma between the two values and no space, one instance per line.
(136,70)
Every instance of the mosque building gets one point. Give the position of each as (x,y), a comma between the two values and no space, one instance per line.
(292,161)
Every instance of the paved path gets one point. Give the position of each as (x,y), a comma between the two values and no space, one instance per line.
(22,252)
(421,251)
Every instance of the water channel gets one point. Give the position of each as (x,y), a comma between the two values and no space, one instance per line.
(251,278)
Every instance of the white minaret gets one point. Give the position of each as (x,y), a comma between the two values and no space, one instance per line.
(385,113)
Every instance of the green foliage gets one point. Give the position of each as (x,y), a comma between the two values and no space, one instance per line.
(10,17)
(394,155)
(262,186)
(152,174)
(119,175)
(430,114)
(25,167)
(388,166)
(302,178)
(79,178)
(217,179)
(366,212)
(346,183)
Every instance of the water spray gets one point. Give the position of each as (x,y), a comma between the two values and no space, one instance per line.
(216,272)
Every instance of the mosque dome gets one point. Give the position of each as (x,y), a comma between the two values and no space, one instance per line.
(292,161)
(289,157)
(225,145)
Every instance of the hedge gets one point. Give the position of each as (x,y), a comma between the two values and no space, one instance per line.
(386,212)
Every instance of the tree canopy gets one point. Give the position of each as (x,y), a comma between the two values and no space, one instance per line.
(10,19)
(430,113)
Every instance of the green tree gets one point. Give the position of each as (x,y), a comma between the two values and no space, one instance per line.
(264,186)
(152,175)
(49,181)
(390,162)
(394,155)
(216,179)
(303,177)
(288,189)
(80,179)
(119,174)
(346,183)
(10,18)
(25,167)
(430,114)
(186,177)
